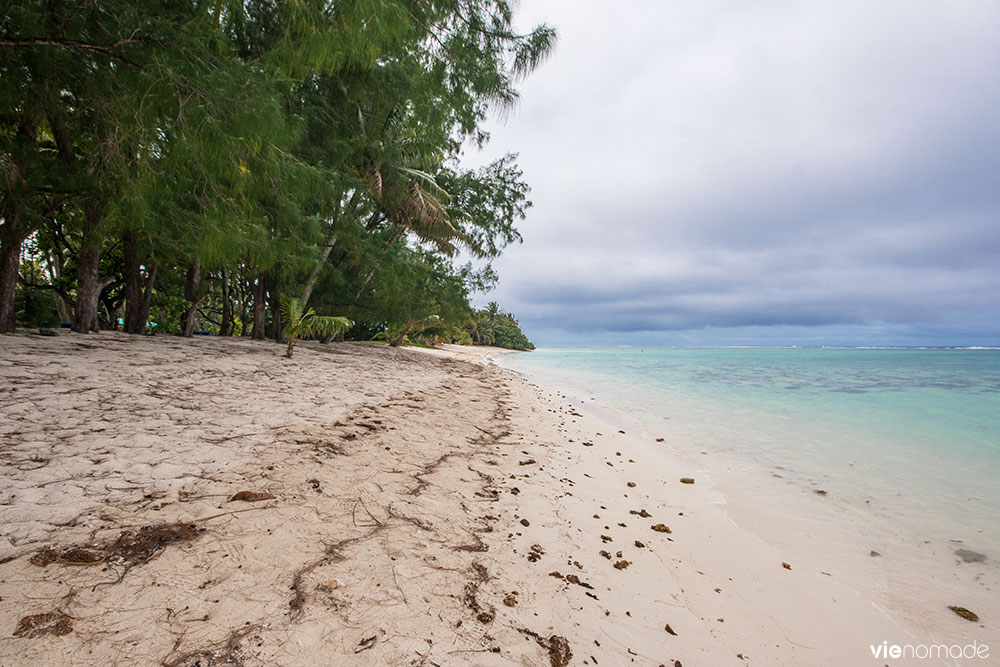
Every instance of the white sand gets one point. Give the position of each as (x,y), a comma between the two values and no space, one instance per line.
(401,479)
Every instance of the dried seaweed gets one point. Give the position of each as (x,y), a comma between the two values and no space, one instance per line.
(252,496)
(131,548)
(68,556)
(483,614)
(138,547)
(50,623)
(225,654)
(965,613)
(478,546)
(558,647)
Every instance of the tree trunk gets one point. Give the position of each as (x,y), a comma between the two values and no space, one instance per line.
(331,241)
(62,309)
(147,294)
(314,275)
(259,309)
(10,260)
(191,294)
(55,263)
(12,235)
(88,277)
(244,314)
(226,326)
(277,326)
(371,272)
(88,291)
(134,322)
(399,339)
(368,279)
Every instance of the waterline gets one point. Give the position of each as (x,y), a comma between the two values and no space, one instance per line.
(884,463)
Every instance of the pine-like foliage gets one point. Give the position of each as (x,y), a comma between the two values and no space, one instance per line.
(182,163)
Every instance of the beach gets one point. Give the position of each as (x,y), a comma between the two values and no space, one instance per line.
(208,501)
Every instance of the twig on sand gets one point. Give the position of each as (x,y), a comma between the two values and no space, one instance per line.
(398,587)
(354,513)
(424,657)
(221,514)
(113,581)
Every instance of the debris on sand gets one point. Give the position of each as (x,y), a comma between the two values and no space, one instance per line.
(573,579)
(558,647)
(51,623)
(68,556)
(661,528)
(687,480)
(252,496)
(965,613)
(970,556)
(131,548)
(365,644)
(483,614)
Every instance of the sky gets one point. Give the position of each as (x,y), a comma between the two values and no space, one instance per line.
(757,173)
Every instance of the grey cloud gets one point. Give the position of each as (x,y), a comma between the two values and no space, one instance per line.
(769,169)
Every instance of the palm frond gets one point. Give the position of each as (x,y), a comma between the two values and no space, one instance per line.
(324,325)
(308,323)
(428,181)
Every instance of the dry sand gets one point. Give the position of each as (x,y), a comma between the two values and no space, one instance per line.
(412,508)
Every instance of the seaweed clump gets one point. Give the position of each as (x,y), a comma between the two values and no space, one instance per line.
(965,613)
(50,623)
(558,647)
(130,548)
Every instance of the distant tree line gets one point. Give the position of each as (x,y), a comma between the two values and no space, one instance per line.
(492,326)
(189,163)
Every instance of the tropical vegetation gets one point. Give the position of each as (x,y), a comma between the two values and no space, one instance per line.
(300,323)
(492,326)
(186,163)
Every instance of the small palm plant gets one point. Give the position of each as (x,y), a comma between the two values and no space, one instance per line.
(307,323)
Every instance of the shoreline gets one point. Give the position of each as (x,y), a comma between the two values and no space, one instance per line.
(426,508)
(783,520)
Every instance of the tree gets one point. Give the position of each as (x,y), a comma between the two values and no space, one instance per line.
(191,157)
(492,326)
(299,324)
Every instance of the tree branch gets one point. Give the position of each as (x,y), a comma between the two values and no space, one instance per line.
(71,43)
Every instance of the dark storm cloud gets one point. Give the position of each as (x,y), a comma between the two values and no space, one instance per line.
(790,168)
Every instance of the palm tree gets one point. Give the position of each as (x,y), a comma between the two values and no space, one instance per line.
(307,323)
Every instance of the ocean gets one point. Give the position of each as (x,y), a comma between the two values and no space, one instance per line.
(885,463)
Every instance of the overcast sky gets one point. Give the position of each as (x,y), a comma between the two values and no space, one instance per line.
(730,173)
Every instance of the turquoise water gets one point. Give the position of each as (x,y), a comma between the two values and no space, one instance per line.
(908,437)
